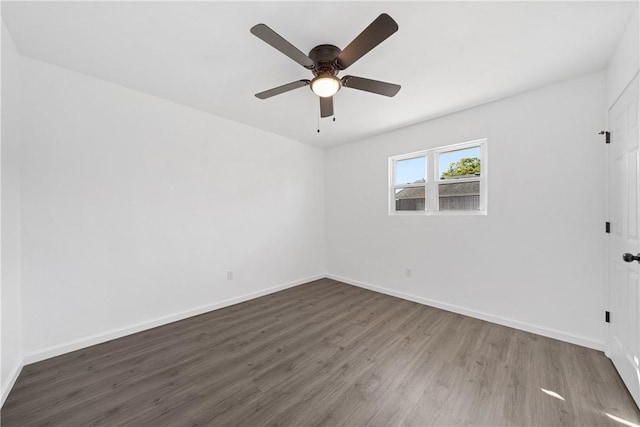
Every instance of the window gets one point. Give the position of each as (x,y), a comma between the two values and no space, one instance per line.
(409,192)
(445,180)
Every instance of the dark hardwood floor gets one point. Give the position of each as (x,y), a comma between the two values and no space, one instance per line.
(324,353)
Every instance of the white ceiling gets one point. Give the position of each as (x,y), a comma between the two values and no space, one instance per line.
(446,55)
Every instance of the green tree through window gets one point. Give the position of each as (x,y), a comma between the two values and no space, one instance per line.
(465,166)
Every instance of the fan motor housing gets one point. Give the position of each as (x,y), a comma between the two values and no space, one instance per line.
(324,56)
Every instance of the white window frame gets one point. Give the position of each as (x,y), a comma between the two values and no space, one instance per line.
(432,179)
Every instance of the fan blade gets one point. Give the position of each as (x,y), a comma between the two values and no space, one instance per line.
(368,85)
(377,32)
(274,39)
(326,106)
(282,89)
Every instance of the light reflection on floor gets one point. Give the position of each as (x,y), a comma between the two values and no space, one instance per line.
(621,420)
(552,394)
(613,417)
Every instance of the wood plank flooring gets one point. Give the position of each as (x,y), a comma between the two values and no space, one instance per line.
(323,353)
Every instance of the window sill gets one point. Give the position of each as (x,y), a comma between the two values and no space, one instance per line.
(439,213)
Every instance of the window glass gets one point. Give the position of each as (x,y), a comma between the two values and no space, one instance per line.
(410,199)
(458,164)
(459,196)
(411,171)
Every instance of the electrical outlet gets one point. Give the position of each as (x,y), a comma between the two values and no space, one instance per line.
(229,275)
(408,272)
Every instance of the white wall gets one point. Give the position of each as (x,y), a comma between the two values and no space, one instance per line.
(134,209)
(10,292)
(535,261)
(625,61)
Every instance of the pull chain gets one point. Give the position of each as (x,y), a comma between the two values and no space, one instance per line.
(318,119)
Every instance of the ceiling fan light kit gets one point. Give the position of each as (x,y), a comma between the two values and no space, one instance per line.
(325,85)
(325,61)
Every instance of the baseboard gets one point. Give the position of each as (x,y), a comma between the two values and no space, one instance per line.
(6,388)
(49,352)
(68,347)
(516,324)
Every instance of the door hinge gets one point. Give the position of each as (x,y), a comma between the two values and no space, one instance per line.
(607,136)
(607,227)
(607,317)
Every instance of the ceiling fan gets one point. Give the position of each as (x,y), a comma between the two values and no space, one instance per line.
(325,61)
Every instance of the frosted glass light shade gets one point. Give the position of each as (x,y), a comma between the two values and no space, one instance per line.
(325,85)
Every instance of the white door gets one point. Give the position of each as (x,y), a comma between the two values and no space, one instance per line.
(624,275)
